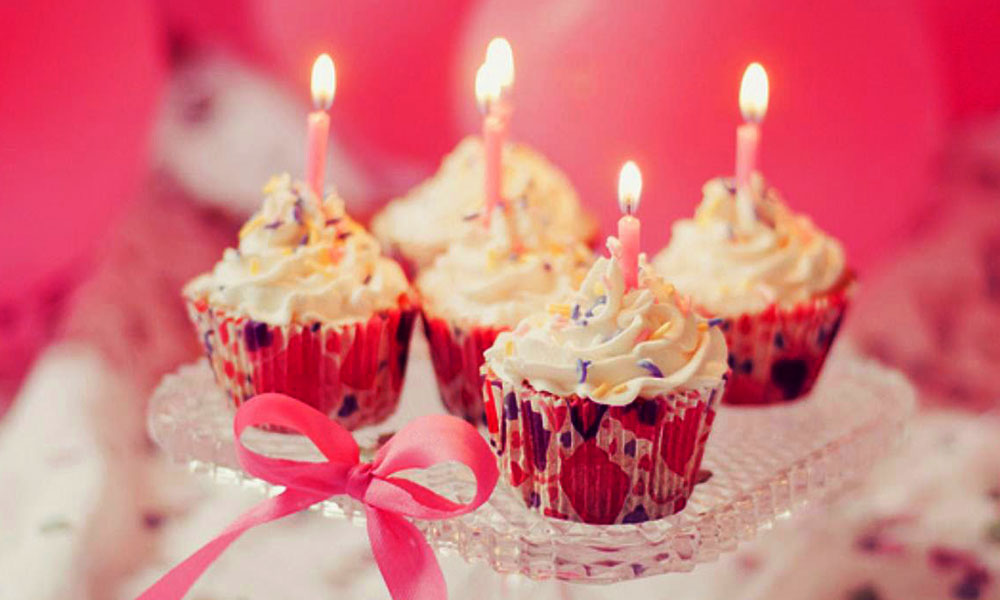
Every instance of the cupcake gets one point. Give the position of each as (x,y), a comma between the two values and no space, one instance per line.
(306,306)
(778,284)
(599,409)
(481,286)
(417,228)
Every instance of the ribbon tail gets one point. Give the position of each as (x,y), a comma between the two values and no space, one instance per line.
(179,580)
(403,556)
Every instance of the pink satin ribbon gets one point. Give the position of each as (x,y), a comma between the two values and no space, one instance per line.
(403,555)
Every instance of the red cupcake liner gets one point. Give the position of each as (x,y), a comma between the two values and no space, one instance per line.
(777,354)
(579,460)
(351,372)
(457,355)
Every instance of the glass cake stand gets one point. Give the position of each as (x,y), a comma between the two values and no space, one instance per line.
(764,464)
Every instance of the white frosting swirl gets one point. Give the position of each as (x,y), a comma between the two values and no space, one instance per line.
(299,261)
(422,224)
(613,345)
(481,280)
(729,268)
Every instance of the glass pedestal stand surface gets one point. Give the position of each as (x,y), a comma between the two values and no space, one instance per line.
(764,464)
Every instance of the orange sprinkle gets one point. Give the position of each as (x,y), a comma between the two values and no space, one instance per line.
(560,309)
(600,391)
(661,330)
(251,225)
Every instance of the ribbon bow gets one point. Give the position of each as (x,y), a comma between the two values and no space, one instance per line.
(404,557)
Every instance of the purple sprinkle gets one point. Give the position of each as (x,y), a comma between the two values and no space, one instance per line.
(297,211)
(304,240)
(652,368)
(368,279)
(547,266)
(152,520)
(343,235)
(471,216)
(274,225)
(576,312)
(581,368)
(714,322)
(332,221)
(729,184)
(601,300)
(206,339)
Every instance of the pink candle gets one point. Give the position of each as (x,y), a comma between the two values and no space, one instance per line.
(753,105)
(747,142)
(494,135)
(493,78)
(324,84)
(319,131)
(629,229)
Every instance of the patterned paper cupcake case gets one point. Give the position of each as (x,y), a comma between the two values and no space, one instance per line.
(457,355)
(777,354)
(575,459)
(352,372)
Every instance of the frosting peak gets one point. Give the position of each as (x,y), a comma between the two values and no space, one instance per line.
(301,260)
(729,267)
(613,345)
(482,280)
(443,209)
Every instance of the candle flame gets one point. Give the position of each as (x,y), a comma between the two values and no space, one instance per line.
(487,88)
(629,188)
(496,74)
(324,82)
(754,93)
(501,57)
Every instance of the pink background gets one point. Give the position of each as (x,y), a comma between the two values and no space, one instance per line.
(860,97)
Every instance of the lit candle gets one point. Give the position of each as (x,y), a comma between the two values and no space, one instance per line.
(753,105)
(324,84)
(629,189)
(493,79)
